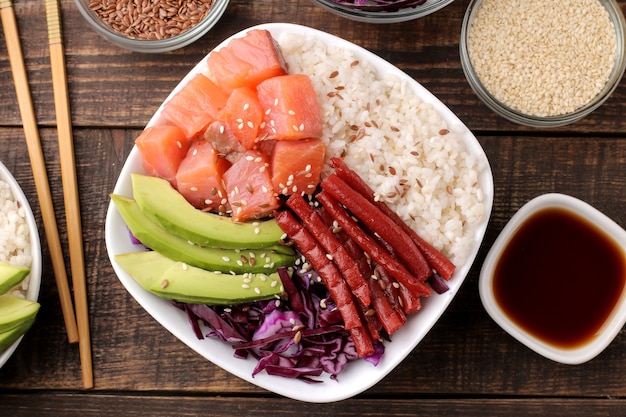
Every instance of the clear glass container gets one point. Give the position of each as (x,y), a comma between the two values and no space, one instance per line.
(153,46)
(368,16)
(521,118)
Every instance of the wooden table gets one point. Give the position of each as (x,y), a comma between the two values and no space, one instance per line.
(466,366)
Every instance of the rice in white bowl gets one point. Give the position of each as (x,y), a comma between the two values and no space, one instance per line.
(399,144)
(15,247)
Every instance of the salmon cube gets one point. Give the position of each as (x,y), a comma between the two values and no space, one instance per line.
(249,188)
(297,165)
(290,107)
(196,105)
(199,177)
(162,148)
(246,61)
(243,114)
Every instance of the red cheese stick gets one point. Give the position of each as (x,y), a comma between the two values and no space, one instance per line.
(346,264)
(389,314)
(436,259)
(314,253)
(369,245)
(377,222)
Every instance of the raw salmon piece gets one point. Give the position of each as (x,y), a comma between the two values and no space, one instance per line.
(196,105)
(290,108)
(249,188)
(162,148)
(246,61)
(199,177)
(243,114)
(223,140)
(296,165)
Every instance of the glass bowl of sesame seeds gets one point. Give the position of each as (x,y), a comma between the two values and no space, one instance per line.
(152,26)
(543,63)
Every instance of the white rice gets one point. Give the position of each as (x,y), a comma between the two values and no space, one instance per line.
(399,144)
(15,246)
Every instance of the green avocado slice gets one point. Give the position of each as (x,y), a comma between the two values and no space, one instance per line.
(181,282)
(15,310)
(167,207)
(10,336)
(177,248)
(11,275)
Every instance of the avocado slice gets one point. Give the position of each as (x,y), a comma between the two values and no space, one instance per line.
(11,275)
(177,248)
(15,310)
(167,207)
(10,336)
(181,282)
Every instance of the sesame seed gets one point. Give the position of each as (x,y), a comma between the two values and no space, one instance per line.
(257,290)
(245,286)
(553,65)
(274,284)
(225,258)
(246,106)
(164,283)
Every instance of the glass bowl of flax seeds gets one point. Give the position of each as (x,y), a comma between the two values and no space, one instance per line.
(152,26)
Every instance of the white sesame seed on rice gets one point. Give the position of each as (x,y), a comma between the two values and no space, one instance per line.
(429,157)
(15,246)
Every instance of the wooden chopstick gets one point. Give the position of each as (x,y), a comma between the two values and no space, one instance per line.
(70,187)
(40,175)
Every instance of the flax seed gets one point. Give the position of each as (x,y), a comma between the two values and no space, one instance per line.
(151,19)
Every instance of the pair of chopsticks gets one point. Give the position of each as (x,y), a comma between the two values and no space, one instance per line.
(77,326)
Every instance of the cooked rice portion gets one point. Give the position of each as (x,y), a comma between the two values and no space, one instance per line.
(399,144)
(15,246)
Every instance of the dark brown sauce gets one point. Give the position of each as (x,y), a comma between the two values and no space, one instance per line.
(560,277)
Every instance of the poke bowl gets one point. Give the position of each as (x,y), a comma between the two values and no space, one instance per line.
(463,181)
(19,250)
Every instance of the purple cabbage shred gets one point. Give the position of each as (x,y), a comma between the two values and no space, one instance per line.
(291,337)
(379,5)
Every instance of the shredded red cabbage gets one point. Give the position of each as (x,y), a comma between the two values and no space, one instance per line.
(293,337)
(437,283)
(379,5)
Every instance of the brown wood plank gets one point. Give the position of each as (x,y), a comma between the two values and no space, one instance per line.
(53,405)
(101,76)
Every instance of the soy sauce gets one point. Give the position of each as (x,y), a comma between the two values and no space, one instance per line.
(560,277)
